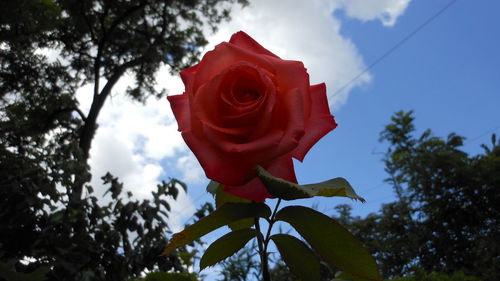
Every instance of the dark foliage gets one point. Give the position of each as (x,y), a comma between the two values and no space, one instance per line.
(49,217)
(242,266)
(447,214)
(421,275)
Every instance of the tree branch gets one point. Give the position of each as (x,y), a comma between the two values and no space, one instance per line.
(89,128)
(80,112)
(87,21)
(123,16)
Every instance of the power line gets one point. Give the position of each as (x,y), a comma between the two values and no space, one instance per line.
(396,46)
(380,199)
(482,135)
(203,194)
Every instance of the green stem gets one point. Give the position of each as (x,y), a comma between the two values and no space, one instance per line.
(262,252)
(264,242)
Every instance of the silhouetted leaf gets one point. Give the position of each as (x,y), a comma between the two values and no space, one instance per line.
(286,190)
(168,276)
(329,239)
(344,276)
(221,198)
(213,186)
(8,272)
(226,246)
(299,258)
(226,214)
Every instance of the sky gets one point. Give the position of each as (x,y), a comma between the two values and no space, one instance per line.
(448,72)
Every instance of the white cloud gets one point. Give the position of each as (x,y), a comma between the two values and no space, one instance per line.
(387,11)
(131,141)
(305,31)
(309,31)
(182,210)
(191,169)
(52,54)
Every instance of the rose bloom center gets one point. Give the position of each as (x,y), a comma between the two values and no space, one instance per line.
(245,84)
(247,95)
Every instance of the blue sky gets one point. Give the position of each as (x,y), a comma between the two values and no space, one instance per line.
(448,73)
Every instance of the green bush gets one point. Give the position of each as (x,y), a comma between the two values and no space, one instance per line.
(421,275)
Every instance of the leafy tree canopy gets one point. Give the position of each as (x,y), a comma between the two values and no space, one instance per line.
(49,217)
(421,275)
(447,214)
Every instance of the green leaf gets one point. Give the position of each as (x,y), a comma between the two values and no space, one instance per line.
(182,184)
(8,272)
(344,276)
(299,258)
(226,214)
(221,198)
(331,241)
(286,190)
(167,276)
(226,246)
(213,186)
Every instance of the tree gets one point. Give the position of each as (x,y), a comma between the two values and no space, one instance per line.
(49,216)
(242,266)
(421,275)
(452,197)
(389,234)
(447,214)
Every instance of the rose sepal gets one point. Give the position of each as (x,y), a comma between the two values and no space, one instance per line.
(280,188)
(222,197)
(213,187)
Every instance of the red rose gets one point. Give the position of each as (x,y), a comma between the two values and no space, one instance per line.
(243,106)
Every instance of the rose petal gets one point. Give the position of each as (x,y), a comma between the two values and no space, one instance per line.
(282,168)
(180,108)
(221,167)
(205,105)
(274,143)
(292,74)
(228,116)
(222,57)
(258,113)
(187,76)
(241,39)
(320,123)
(255,189)
(228,168)
(211,116)
(290,113)
(225,133)
(260,145)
